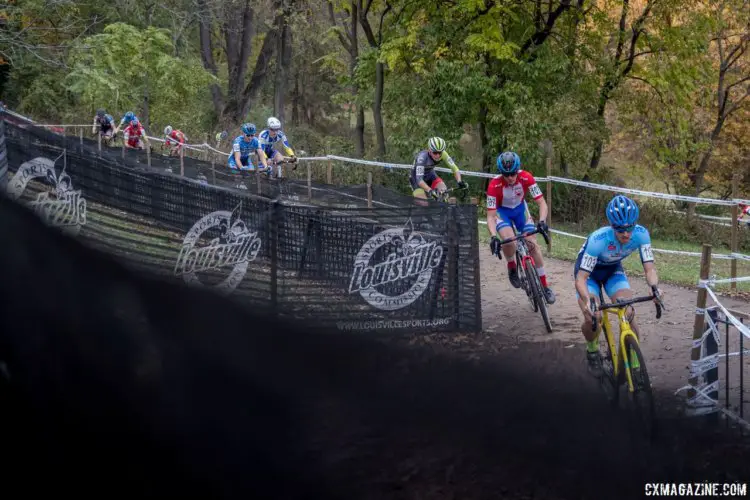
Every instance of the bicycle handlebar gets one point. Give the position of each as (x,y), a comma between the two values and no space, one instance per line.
(626,302)
(544,234)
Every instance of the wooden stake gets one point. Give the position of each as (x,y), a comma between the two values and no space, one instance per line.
(733,238)
(309,181)
(700,304)
(549,199)
(369,189)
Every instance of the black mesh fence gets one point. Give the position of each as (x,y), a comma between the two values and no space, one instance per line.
(305,251)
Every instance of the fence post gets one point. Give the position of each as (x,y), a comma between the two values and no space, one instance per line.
(182,161)
(80,134)
(65,158)
(99,142)
(700,304)
(549,200)
(329,172)
(123,148)
(213,169)
(735,215)
(148,155)
(309,181)
(369,189)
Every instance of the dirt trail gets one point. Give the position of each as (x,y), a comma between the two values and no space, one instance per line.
(666,341)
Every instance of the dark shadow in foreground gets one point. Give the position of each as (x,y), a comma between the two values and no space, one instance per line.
(122,386)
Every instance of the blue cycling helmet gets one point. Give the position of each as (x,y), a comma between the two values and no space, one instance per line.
(622,211)
(508,163)
(129,115)
(248,128)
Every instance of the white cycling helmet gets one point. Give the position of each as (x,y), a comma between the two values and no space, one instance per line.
(168,130)
(274,123)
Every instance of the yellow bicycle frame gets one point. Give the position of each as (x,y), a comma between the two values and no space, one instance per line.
(625,330)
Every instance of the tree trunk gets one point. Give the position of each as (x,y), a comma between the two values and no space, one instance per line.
(295,100)
(377,108)
(145,115)
(359,130)
(283,59)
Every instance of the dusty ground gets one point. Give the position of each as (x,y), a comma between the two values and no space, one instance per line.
(666,341)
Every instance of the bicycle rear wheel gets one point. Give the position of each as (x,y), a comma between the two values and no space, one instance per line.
(537,292)
(642,397)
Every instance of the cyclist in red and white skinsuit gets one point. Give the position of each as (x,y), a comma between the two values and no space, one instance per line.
(175,137)
(506,207)
(135,135)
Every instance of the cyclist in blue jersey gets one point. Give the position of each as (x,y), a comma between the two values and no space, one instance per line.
(271,136)
(599,263)
(125,121)
(243,146)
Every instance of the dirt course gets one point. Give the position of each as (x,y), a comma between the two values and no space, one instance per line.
(666,341)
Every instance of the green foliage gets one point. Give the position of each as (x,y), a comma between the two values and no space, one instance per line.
(117,68)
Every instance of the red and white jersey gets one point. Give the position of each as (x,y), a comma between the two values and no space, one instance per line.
(502,194)
(176,137)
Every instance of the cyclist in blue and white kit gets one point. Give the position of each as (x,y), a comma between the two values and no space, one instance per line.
(271,136)
(599,263)
(125,121)
(243,146)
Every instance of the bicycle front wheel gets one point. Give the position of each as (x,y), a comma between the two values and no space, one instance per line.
(642,397)
(537,292)
(609,384)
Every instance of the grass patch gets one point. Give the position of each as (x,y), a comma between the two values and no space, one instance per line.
(677,269)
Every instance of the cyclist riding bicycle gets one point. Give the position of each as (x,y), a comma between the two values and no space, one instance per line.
(129,117)
(173,136)
(506,207)
(423,178)
(220,137)
(271,136)
(599,263)
(243,146)
(105,123)
(135,135)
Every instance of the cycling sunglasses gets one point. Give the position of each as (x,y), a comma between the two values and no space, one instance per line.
(624,229)
(506,174)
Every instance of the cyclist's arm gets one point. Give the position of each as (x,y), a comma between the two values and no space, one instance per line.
(419,174)
(581,285)
(491,211)
(452,164)
(262,156)
(543,209)
(647,255)
(651,277)
(588,262)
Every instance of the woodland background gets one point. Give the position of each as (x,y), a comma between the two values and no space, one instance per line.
(645,93)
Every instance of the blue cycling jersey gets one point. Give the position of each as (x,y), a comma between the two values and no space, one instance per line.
(602,248)
(267,142)
(245,148)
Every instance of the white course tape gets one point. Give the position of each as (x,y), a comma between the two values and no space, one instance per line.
(651,194)
(703,365)
(741,327)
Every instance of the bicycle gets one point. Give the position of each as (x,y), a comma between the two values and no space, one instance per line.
(623,362)
(528,275)
(444,196)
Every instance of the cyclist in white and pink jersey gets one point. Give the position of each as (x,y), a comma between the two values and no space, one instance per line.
(506,207)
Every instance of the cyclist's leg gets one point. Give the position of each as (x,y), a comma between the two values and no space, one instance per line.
(276,166)
(617,287)
(536,252)
(504,229)
(593,357)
